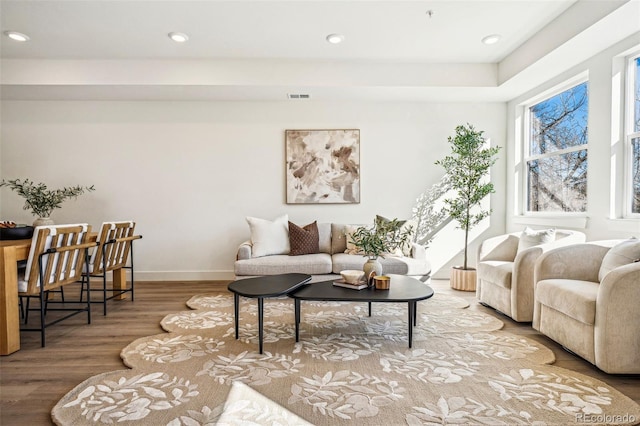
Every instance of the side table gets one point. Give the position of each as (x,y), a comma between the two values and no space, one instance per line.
(261,287)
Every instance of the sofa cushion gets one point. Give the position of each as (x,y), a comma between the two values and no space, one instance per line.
(269,237)
(496,272)
(349,230)
(312,264)
(623,253)
(303,240)
(390,265)
(324,238)
(339,238)
(574,298)
(530,238)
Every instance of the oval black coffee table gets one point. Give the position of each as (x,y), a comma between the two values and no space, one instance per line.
(261,287)
(402,289)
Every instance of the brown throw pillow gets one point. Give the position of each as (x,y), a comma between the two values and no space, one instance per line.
(303,240)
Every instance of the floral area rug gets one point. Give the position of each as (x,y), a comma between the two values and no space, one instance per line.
(348,368)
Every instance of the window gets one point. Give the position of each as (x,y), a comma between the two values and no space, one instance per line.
(556,163)
(633,136)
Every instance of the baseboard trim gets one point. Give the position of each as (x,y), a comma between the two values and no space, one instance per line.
(184,275)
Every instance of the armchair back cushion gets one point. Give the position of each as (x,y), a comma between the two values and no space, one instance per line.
(623,253)
(530,238)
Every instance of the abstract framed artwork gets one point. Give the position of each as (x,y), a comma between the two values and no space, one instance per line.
(323,166)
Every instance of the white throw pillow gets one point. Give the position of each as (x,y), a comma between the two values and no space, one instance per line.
(269,237)
(530,238)
(621,254)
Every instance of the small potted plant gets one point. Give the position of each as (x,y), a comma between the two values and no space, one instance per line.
(467,167)
(41,200)
(385,236)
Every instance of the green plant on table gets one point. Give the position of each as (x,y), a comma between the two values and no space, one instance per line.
(41,200)
(385,236)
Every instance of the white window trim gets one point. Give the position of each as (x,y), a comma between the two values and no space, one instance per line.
(526,146)
(629,134)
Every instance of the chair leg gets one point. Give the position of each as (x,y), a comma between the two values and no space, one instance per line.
(88,300)
(132,278)
(104,292)
(26,315)
(42,325)
(21,304)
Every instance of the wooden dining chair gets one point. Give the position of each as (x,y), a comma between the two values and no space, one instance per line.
(55,259)
(114,250)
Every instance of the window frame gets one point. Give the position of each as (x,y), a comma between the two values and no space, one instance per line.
(526,155)
(629,133)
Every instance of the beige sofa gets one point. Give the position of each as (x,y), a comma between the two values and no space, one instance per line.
(593,314)
(505,274)
(331,259)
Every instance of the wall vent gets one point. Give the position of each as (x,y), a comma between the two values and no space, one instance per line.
(299,96)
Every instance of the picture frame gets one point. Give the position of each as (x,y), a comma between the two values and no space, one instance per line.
(323,166)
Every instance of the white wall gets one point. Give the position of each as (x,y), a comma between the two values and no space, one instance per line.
(604,216)
(190,172)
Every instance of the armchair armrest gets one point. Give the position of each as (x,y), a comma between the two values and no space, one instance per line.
(244,251)
(617,341)
(503,248)
(575,262)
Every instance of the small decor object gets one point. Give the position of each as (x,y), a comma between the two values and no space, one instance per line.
(323,166)
(356,286)
(9,230)
(468,168)
(352,276)
(41,200)
(382,282)
(372,266)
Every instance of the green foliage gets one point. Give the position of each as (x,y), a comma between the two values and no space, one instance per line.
(40,200)
(467,167)
(385,236)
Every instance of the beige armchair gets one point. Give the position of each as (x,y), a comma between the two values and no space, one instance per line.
(591,313)
(505,272)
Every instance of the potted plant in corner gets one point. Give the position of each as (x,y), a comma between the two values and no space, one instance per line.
(41,200)
(467,167)
(385,236)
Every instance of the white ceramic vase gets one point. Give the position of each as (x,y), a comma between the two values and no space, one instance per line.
(43,221)
(372,265)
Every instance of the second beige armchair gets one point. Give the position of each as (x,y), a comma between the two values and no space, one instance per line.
(506,264)
(587,300)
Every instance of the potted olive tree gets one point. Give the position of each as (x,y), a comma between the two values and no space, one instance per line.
(41,200)
(468,168)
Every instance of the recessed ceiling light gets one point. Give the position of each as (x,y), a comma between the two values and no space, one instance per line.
(178,37)
(335,38)
(491,39)
(14,35)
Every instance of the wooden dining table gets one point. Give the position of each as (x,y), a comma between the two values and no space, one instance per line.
(11,252)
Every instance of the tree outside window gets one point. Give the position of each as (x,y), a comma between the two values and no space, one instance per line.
(557,159)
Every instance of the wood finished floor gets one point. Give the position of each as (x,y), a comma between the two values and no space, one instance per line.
(33,379)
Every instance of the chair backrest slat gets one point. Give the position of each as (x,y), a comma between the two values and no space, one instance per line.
(115,253)
(62,266)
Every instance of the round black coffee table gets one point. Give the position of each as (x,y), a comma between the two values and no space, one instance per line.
(402,289)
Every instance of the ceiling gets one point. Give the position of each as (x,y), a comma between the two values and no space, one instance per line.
(373,30)
(99,49)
